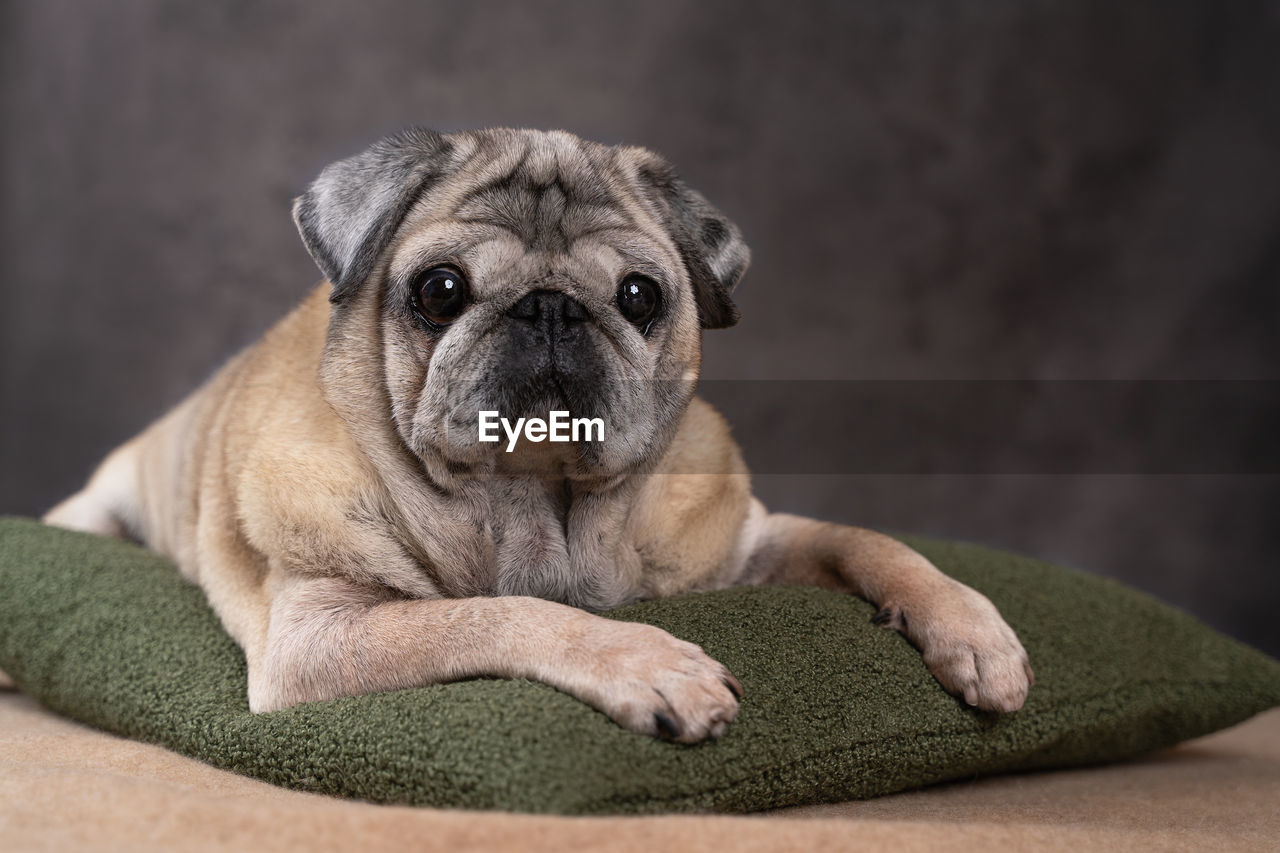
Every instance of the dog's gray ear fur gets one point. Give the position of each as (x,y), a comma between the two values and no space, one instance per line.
(349,214)
(711,246)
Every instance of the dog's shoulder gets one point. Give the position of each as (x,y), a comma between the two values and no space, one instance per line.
(693,510)
(293,468)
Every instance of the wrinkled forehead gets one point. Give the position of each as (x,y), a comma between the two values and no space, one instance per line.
(544,192)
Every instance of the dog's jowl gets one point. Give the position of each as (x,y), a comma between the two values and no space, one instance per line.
(330,492)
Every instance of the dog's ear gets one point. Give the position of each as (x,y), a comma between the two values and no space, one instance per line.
(349,214)
(710,245)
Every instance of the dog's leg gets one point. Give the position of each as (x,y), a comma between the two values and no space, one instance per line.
(329,638)
(108,504)
(966,644)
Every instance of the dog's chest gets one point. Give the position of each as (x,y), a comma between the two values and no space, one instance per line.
(536,552)
(527,522)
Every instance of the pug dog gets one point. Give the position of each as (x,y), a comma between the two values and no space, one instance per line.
(328,491)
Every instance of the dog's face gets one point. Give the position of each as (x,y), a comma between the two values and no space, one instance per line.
(525,272)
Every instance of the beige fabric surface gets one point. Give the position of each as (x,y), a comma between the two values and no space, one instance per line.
(64,786)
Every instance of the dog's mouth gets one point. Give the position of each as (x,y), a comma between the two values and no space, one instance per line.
(507,402)
(536,395)
(558,402)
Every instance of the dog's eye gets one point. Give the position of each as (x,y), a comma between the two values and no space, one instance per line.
(638,299)
(440,294)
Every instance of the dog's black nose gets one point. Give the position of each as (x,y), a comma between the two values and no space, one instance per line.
(550,352)
(549,308)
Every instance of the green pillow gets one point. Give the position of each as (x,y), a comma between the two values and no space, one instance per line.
(835,708)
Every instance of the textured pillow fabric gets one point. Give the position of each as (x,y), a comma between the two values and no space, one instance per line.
(835,708)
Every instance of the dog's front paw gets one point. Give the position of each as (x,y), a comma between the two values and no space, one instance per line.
(655,684)
(967,646)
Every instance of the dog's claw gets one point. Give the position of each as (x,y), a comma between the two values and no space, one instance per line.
(667,727)
(652,683)
(890,617)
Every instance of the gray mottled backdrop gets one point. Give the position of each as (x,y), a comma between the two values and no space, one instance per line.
(1040,189)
